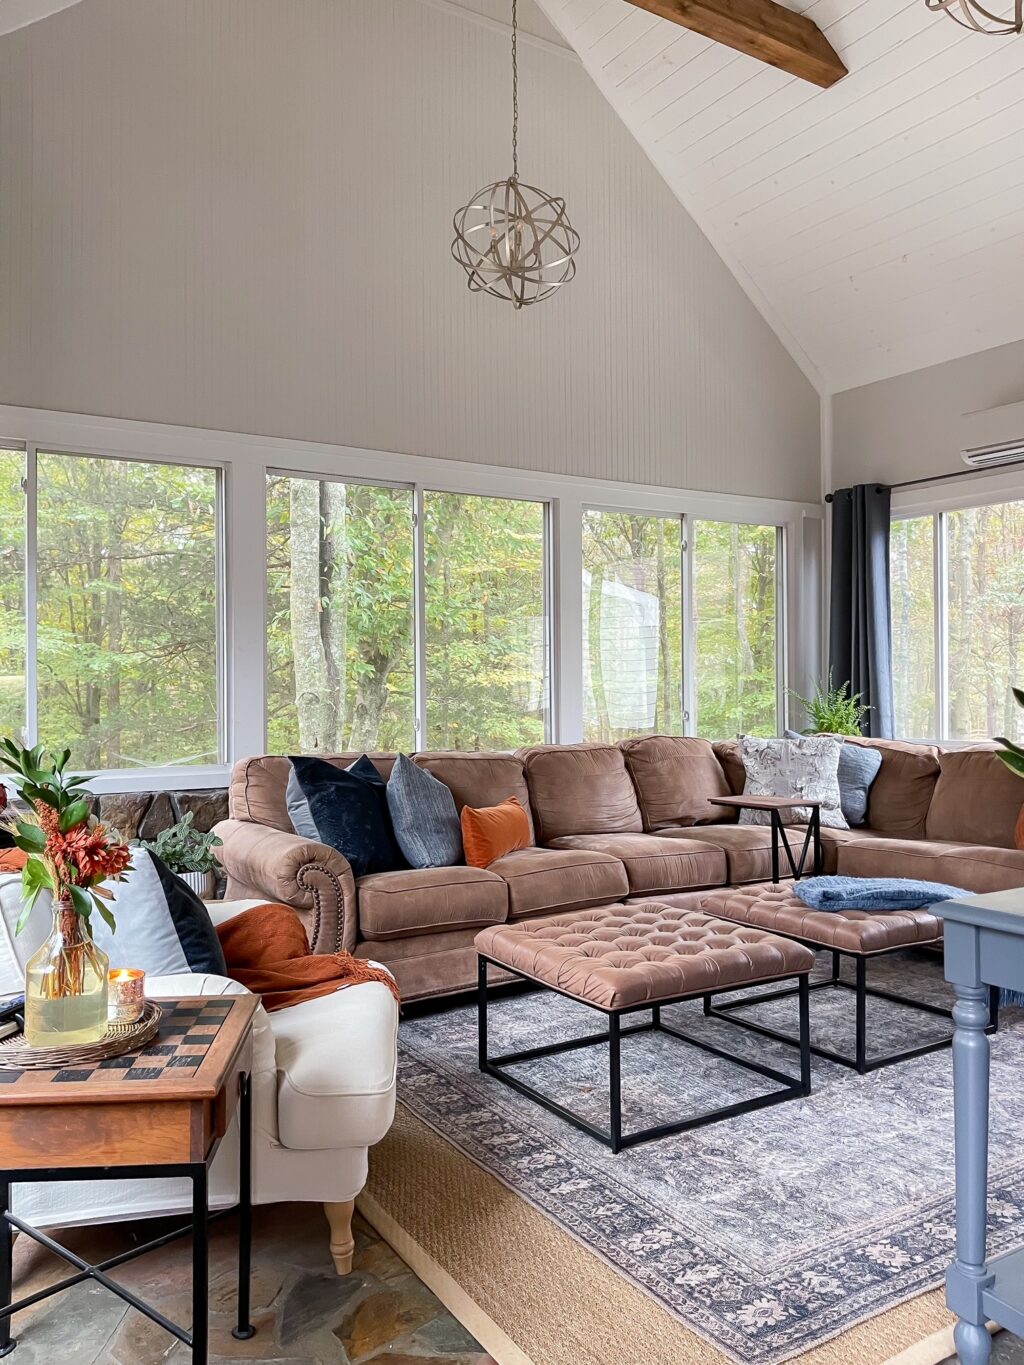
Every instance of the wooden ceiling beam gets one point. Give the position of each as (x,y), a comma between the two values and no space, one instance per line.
(761,29)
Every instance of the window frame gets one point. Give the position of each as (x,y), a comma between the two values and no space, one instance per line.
(177,775)
(244,462)
(958,495)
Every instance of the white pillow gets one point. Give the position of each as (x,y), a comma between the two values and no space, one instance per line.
(806,767)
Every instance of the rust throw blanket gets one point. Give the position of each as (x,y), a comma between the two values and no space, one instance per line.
(267,951)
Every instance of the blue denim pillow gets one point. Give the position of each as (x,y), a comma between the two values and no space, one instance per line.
(350,810)
(427,825)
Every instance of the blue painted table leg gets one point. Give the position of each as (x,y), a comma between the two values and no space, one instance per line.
(969,1274)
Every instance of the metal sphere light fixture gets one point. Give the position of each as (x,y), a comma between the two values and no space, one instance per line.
(513,240)
(973,15)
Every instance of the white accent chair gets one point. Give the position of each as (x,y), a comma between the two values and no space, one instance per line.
(323,1094)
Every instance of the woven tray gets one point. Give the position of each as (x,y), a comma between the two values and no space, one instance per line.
(119,1039)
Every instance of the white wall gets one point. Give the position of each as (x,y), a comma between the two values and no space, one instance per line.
(236,214)
(909,427)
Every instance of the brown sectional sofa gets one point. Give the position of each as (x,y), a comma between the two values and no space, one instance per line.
(610,824)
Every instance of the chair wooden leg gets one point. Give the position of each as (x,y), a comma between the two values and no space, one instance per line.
(339,1216)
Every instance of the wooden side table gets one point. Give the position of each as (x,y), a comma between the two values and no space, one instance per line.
(984,949)
(160,1112)
(777,806)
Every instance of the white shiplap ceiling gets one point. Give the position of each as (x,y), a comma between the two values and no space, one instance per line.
(879,225)
(15,14)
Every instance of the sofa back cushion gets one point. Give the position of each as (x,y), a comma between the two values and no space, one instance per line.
(673,777)
(259,786)
(479,779)
(977,799)
(580,789)
(902,791)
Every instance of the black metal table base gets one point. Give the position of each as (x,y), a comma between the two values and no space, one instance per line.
(860,1061)
(792,1087)
(197,1172)
(812,841)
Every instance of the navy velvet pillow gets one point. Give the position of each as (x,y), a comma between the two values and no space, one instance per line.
(349,807)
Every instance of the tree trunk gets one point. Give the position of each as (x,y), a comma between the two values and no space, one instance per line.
(315,701)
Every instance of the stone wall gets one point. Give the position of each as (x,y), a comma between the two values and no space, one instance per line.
(142,815)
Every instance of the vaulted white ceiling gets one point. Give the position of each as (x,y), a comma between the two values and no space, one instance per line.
(879,225)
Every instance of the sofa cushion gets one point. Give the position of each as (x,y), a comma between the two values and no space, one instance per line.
(902,791)
(653,863)
(424,816)
(350,810)
(427,900)
(479,779)
(977,799)
(580,789)
(673,777)
(975,867)
(341,1095)
(729,753)
(748,848)
(258,786)
(542,879)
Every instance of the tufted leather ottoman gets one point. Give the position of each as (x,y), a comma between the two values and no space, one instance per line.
(621,959)
(857,934)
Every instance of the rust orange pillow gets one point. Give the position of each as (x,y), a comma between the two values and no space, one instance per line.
(12,859)
(492,831)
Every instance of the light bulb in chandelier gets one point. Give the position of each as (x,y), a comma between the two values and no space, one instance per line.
(513,240)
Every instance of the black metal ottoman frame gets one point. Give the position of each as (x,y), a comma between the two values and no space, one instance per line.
(860,1061)
(613,1137)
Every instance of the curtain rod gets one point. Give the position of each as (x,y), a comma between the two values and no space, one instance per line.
(930,478)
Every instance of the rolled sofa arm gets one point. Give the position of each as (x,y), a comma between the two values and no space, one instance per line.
(313,879)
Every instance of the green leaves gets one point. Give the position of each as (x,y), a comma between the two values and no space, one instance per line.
(73,815)
(40,778)
(1012,754)
(30,838)
(35,877)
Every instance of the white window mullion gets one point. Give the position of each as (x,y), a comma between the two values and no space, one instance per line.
(242,642)
(567,620)
(941,568)
(31,596)
(688,662)
(782,619)
(419,625)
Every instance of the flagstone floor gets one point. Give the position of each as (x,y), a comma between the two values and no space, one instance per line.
(305,1314)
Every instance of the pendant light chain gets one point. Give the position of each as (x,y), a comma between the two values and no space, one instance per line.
(515,90)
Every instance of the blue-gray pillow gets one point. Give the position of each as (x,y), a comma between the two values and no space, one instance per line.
(298,809)
(350,811)
(423,813)
(873,893)
(858,768)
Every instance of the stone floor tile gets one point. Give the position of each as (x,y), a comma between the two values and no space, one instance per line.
(316,1299)
(392,1312)
(446,1336)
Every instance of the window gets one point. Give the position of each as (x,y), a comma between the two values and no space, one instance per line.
(126,619)
(12,593)
(340,655)
(912,552)
(632,625)
(486,640)
(970,562)
(735,575)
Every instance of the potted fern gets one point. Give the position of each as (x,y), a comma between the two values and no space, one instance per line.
(833,710)
(1013,756)
(189,853)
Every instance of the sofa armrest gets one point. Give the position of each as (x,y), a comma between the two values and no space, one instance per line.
(313,879)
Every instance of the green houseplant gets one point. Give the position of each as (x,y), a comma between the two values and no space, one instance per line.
(70,856)
(1013,756)
(832,710)
(188,852)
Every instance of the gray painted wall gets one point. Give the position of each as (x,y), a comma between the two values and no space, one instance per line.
(237,213)
(908,427)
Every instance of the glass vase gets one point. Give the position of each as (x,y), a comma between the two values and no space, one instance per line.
(66,985)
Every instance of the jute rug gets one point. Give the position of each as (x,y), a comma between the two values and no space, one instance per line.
(755,1240)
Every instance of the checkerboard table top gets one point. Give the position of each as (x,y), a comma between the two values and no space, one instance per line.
(190,1057)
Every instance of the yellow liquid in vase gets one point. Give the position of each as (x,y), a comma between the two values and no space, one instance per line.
(66,990)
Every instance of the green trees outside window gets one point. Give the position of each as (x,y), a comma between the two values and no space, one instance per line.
(912,590)
(12,593)
(735,585)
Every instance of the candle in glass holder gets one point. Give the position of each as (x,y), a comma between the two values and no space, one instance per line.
(125,995)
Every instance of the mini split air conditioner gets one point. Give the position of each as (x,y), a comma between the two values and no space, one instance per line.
(992,438)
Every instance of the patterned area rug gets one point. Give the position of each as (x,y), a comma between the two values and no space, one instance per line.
(768,1233)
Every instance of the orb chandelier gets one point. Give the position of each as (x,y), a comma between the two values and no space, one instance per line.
(970,14)
(513,240)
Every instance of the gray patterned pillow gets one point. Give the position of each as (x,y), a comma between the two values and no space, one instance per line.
(423,813)
(807,767)
(858,768)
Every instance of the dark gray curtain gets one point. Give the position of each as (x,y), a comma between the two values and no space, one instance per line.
(860,627)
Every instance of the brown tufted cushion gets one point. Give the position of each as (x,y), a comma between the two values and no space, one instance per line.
(777,909)
(618,956)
